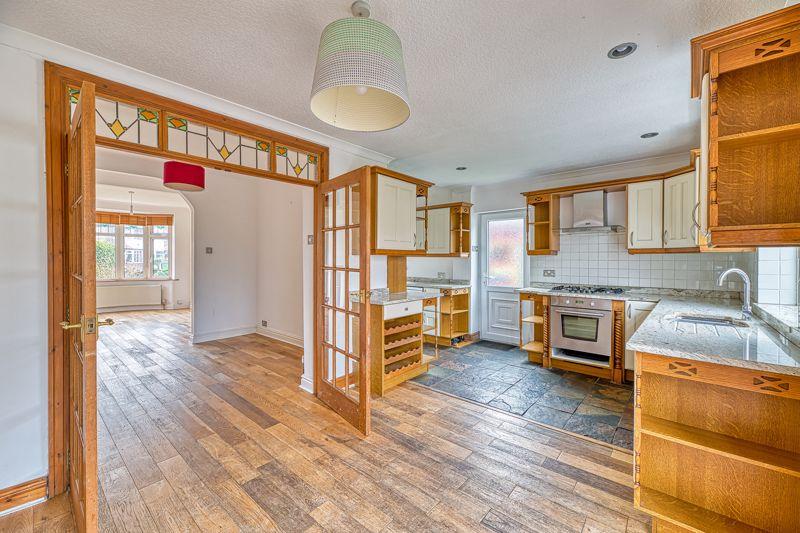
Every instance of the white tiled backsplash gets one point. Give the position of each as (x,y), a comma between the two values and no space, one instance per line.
(602,259)
(778,275)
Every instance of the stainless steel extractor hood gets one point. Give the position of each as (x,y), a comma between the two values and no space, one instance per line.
(589,214)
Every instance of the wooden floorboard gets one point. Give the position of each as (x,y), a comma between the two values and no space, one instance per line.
(219,437)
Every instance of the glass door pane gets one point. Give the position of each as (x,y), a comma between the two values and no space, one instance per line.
(505,249)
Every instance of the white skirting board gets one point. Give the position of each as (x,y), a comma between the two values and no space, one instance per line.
(222,334)
(280,335)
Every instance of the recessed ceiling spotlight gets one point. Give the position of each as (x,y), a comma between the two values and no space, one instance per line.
(461,168)
(649,135)
(622,50)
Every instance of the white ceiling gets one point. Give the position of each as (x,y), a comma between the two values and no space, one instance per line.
(510,89)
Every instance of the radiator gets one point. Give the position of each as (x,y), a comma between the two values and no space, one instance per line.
(109,296)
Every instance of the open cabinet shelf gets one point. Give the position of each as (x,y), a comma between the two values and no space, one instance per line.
(542,224)
(533,334)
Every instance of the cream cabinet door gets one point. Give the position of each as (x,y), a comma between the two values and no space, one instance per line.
(680,198)
(439,231)
(635,313)
(645,214)
(396,214)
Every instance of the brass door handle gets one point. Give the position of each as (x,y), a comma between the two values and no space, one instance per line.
(67,325)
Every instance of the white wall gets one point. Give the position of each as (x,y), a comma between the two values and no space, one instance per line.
(177,293)
(23,271)
(225,289)
(280,256)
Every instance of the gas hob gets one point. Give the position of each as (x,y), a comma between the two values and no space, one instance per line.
(587,289)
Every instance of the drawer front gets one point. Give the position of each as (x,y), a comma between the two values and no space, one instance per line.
(403,309)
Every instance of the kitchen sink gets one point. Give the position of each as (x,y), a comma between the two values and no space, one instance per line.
(708,320)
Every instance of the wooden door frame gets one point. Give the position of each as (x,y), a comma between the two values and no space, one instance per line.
(57,79)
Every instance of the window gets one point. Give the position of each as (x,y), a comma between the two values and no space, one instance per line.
(140,250)
(106,251)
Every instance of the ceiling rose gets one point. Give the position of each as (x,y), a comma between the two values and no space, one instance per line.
(360,79)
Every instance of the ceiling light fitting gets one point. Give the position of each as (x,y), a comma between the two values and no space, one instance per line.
(182,176)
(360,79)
(622,50)
(649,135)
(461,168)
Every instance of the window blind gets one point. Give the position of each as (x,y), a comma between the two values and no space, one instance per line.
(108,217)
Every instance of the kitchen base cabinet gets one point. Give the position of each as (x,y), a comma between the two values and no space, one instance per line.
(396,347)
(534,327)
(635,313)
(716,447)
(453,320)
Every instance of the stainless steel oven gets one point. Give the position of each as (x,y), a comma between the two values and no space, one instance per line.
(581,324)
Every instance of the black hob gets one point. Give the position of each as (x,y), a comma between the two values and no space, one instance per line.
(587,289)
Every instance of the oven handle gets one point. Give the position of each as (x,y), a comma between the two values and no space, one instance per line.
(580,313)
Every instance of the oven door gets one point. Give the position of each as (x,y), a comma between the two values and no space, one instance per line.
(583,330)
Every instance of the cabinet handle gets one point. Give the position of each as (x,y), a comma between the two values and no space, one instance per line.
(666,237)
(629,310)
(697,224)
(631,239)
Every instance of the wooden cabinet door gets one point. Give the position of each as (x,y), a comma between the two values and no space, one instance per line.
(439,231)
(680,198)
(397,214)
(645,215)
(635,313)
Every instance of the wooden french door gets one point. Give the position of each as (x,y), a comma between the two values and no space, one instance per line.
(80,327)
(341,371)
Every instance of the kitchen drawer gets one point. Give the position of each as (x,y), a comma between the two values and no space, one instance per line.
(402,309)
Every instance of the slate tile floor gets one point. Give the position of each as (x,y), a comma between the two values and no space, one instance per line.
(500,375)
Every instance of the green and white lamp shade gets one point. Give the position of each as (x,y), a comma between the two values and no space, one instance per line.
(360,79)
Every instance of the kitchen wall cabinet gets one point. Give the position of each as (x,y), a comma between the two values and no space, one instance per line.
(753,129)
(645,215)
(542,225)
(635,314)
(448,229)
(396,219)
(680,198)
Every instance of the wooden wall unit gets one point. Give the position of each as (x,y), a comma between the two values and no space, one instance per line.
(716,448)
(754,129)
(394,229)
(542,229)
(448,229)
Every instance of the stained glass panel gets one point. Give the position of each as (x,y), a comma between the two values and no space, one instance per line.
(296,164)
(122,121)
(193,138)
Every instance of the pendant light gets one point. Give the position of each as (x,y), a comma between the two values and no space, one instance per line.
(184,176)
(360,79)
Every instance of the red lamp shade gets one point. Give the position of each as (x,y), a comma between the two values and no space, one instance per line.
(184,176)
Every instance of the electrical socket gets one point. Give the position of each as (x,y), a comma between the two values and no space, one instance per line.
(549,273)
(441,275)
(264,323)
(209,250)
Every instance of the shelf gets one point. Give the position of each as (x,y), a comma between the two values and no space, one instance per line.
(753,453)
(534,346)
(401,328)
(540,223)
(400,369)
(454,312)
(771,135)
(401,342)
(400,356)
(536,319)
(432,328)
(687,515)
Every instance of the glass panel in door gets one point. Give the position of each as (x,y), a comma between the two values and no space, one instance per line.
(505,249)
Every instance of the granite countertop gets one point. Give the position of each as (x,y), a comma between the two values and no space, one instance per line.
(437,283)
(639,294)
(384,297)
(756,347)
